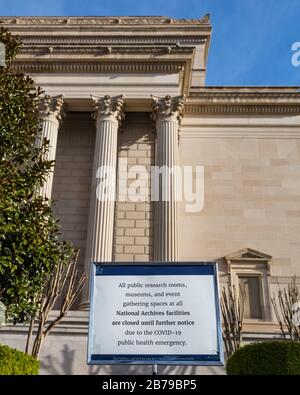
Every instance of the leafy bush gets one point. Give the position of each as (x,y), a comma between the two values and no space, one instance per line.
(272,358)
(14,362)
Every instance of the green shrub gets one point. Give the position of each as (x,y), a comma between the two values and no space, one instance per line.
(30,243)
(14,362)
(272,358)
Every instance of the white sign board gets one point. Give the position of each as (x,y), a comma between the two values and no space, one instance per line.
(155,314)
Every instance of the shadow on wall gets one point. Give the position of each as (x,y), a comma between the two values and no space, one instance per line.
(67,364)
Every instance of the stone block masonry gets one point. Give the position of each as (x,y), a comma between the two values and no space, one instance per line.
(72,178)
(133,228)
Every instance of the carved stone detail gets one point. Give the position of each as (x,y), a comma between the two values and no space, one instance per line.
(125,40)
(242,109)
(205,18)
(88,49)
(138,20)
(52,107)
(244,101)
(168,108)
(104,67)
(109,108)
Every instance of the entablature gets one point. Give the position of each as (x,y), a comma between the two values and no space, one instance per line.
(114,44)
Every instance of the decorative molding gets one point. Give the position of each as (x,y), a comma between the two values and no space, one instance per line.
(248,262)
(52,107)
(96,67)
(205,18)
(211,96)
(104,50)
(244,100)
(248,256)
(239,132)
(168,108)
(257,108)
(108,107)
(134,20)
(119,40)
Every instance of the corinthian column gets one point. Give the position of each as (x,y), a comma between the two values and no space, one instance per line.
(167,114)
(51,114)
(108,116)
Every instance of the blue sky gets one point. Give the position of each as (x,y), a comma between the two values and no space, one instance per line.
(251,42)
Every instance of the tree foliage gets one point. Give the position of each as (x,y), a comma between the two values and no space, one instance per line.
(29,235)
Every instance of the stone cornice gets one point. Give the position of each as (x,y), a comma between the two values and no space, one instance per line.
(103,50)
(231,131)
(289,109)
(131,20)
(33,40)
(238,94)
(46,66)
(245,100)
(139,44)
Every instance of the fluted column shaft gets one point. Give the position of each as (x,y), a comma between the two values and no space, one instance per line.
(108,116)
(51,114)
(167,116)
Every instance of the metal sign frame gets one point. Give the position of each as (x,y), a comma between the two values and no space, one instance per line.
(180,268)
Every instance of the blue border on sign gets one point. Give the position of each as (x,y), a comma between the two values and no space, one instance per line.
(153,358)
(155,268)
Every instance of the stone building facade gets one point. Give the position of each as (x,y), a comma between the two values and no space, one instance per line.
(143,80)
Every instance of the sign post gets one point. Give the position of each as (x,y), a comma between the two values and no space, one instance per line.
(155,314)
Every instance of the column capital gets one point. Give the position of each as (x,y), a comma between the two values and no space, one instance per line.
(109,108)
(51,108)
(168,108)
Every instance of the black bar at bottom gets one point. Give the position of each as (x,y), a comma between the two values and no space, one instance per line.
(89,385)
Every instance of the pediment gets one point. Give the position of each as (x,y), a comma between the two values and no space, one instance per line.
(249,257)
(248,254)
